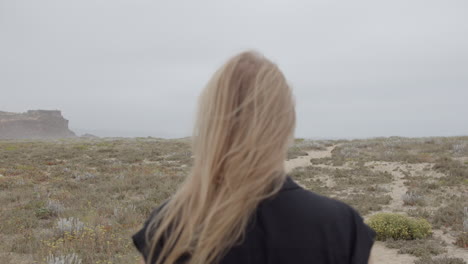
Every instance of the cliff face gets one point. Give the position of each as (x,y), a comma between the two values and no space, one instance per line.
(34,124)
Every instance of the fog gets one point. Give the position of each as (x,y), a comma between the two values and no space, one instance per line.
(135,68)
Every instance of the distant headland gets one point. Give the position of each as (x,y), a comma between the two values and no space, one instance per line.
(34,124)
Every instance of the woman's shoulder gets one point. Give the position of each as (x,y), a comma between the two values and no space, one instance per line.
(139,237)
(300,220)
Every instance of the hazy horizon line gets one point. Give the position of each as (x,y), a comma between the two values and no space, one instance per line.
(110,133)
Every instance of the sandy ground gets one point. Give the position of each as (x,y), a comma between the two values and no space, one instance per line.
(452,250)
(397,187)
(304,161)
(384,255)
(380,253)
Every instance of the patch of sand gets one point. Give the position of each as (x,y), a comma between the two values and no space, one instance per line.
(452,250)
(304,161)
(381,254)
(462,159)
(397,187)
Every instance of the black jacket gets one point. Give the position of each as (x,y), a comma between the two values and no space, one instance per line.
(297,226)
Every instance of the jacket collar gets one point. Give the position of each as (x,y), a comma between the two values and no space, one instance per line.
(289,184)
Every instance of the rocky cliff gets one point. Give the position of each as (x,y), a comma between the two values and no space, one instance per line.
(34,124)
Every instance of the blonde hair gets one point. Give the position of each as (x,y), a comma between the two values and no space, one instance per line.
(245,122)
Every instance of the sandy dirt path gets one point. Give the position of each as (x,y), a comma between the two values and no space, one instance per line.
(304,161)
(397,187)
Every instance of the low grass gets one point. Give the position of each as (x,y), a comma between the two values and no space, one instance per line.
(450,215)
(420,213)
(111,186)
(456,172)
(361,176)
(442,260)
(419,247)
(309,178)
(399,149)
(462,240)
(301,146)
(366,203)
(360,187)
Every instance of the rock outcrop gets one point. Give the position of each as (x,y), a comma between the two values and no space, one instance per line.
(34,124)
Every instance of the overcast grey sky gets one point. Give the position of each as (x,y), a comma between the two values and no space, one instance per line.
(135,68)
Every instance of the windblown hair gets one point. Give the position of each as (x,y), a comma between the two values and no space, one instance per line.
(245,123)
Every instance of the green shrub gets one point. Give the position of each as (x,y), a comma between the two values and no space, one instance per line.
(397,226)
(43,213)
